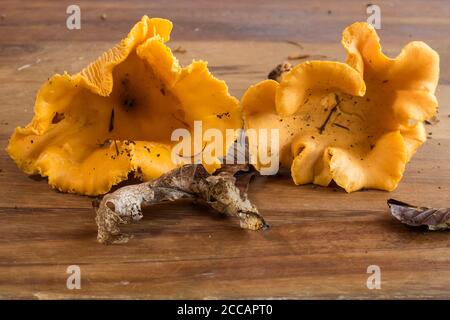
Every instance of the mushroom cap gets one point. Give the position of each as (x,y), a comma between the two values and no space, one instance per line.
(116,116)
(357,123)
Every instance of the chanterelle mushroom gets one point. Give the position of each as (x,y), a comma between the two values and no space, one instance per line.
(357,123)
(117,115)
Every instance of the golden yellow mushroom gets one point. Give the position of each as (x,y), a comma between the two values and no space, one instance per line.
(357,123)
(91,129)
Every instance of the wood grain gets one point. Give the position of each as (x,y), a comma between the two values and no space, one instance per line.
(322,240)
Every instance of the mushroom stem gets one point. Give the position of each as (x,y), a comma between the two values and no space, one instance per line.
(219,191)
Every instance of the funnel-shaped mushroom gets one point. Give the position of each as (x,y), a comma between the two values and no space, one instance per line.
(116,116)
(357,123)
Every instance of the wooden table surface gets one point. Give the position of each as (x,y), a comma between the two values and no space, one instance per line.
(321,241)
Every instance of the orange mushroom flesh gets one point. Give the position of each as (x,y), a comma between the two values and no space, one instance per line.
(116,116)
(357,123)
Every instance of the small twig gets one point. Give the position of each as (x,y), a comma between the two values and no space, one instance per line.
(115,146)
(219,191)
(295,43)
(298,56)
(333,110)
(184,123)
(194,155)
(341,126)
(179,49)
(111,121)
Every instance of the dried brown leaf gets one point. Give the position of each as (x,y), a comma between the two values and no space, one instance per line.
(279,70)
(433,218)
(218,190)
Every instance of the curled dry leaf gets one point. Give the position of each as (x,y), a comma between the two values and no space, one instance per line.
(433,218)
(279,70)
(218,190)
